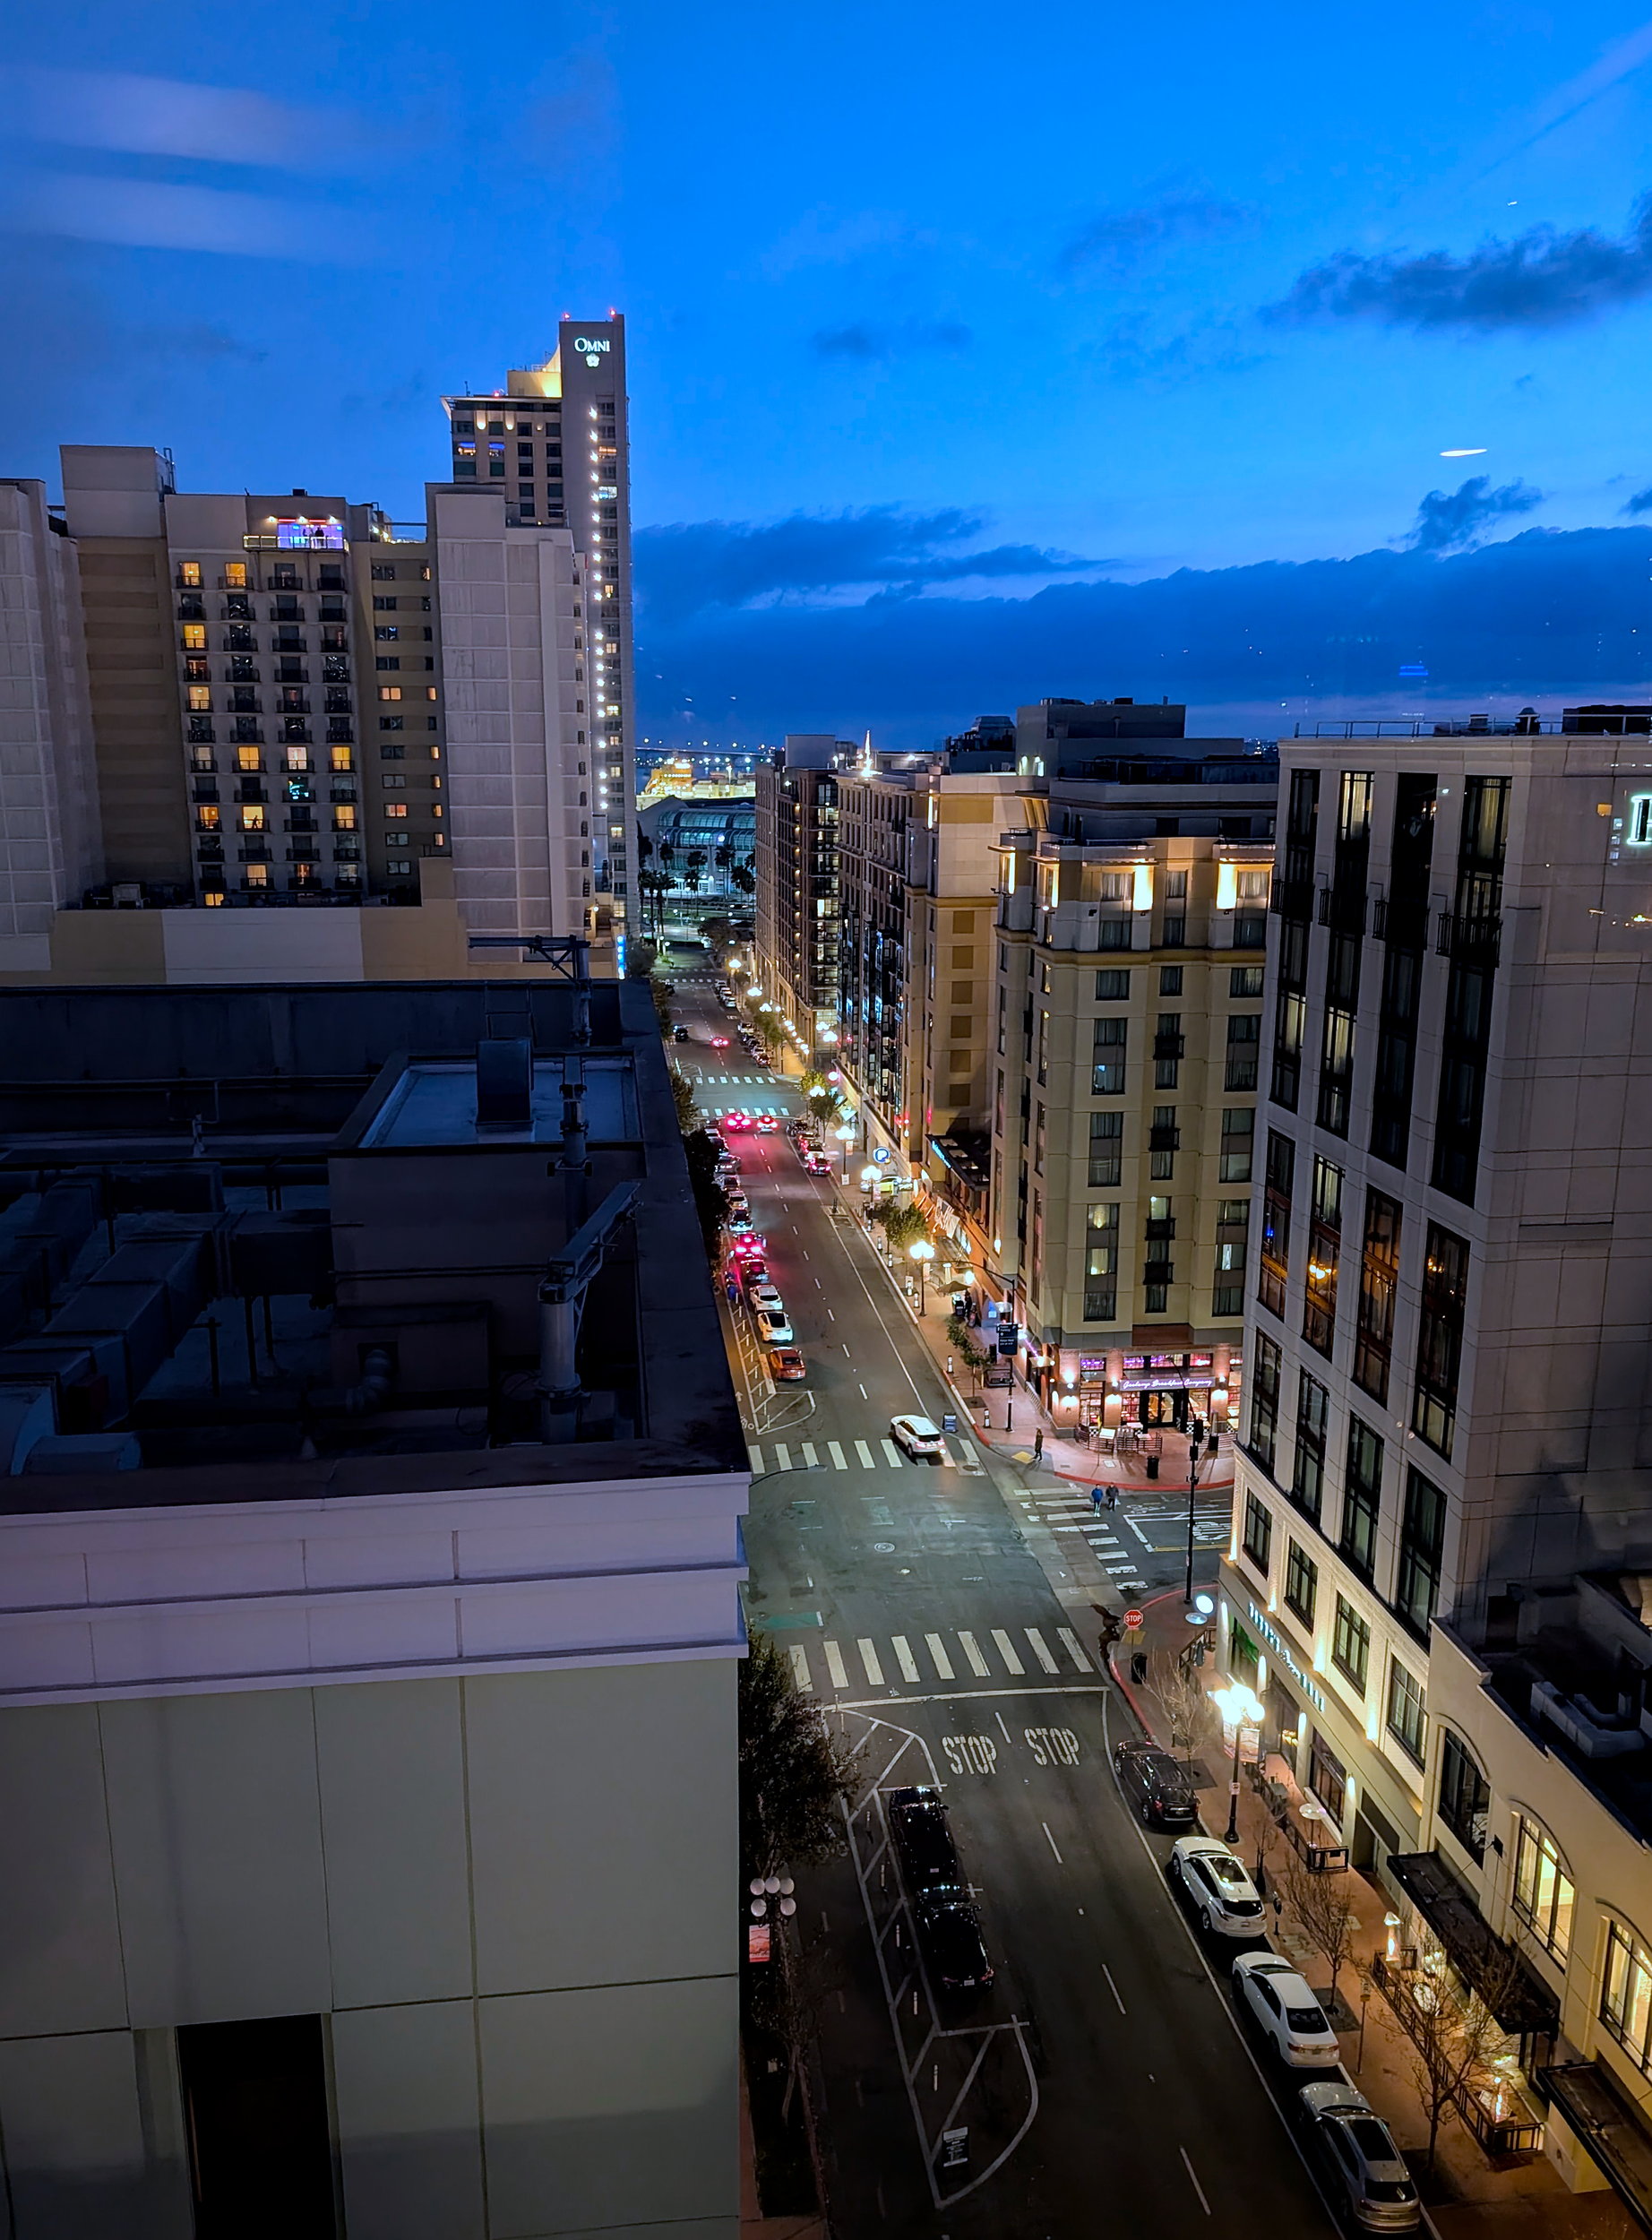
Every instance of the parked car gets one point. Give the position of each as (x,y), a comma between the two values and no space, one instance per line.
(1219,1891)
(786,1366)
(816,1163)
(737,1197)
(917,1437)
(1356,2151)
(949,1937)
(919,1829)
(773,1327)
(761,1293)
(750,1246)
(679,1034)
(1154,1784)
(1279,2000)
(739,1224)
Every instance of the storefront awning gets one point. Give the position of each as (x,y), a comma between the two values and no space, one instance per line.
(1610,2125)
(1479,1955)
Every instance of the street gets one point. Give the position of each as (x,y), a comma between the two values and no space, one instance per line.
(1103,2075)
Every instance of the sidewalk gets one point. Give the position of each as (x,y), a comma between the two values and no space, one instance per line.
(1469,2196)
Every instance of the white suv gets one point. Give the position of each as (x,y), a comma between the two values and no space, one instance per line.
(1217,1888)
(1279,2001)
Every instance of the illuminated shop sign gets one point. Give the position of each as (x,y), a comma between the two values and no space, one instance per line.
(1275,1640)
(1190,1381)
(302,536)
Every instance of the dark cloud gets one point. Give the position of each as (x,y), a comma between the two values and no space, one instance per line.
(1641,503)
(1118,237)
(1540,279)
(689,566)
(1541,614)
(873,339)
(1450,521)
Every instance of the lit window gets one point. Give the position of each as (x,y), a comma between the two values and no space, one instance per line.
(252,817)
(1543,1895)
(206,819)
(1626,1993)
(344,820)
(235,575)
(249,758)
(395,809)
(257,875)
(195,637)
(341,758)
(200,697)
(390,692)
(189,574)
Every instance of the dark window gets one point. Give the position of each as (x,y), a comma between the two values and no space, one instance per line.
(1308,1468)
(1465,1800)
(1470,936)
(1107,1149)
(1238,1139)
(1379,1274)
(1257,1532)
(1163,1138)
(1336,1042)
(1244,1028)
(1276,1249)
(1244,980)
(1439,1338)
(1350,1644)
(1301,826)
(1301,1583)
(1265,1403)
(1406,1711)
(1112,987)
(1319,1324)
(1361,1497)
(1327,1777)
(1422,1551)
(255,2117)
(1107,1074)
(1170,975)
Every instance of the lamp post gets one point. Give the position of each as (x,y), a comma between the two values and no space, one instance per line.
(846,1136)
(1237,1702)
(1195,1448)
(923,1252)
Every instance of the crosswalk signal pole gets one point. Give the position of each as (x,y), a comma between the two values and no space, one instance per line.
(1195,1446)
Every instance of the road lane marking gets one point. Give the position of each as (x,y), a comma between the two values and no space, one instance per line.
(1070,1642)
(1113,1988)
(847,1355)
(1049,1840)
(836,1453)
(977,1663)
(800,1670)
(755,1455)
(782,1457)
(942,1662)
(904,1657)
(891,1451)
(1040,1649)
(811,1458)
(1006,1649)
(865,1453)
(1198,2189)
(864,1393)
(835,1665)
(1140,1534)
(869,1657)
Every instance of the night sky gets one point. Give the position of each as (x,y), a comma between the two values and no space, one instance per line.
(975,355)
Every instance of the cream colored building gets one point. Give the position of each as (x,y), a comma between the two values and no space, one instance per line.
(1125,1017)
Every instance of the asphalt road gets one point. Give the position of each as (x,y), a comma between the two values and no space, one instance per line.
(1103,2075)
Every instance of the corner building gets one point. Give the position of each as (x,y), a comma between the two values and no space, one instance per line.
(1451,1275)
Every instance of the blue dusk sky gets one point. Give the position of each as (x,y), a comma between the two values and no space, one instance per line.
(974,356)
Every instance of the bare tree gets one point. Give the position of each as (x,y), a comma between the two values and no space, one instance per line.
(1451,2040)
(1321,1903)
(1188,1709)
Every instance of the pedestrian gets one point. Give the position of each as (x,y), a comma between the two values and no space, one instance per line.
(1113,1496)
(1096,1498)
(1037,1446)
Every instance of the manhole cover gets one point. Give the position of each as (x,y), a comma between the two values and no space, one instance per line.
(883,1548)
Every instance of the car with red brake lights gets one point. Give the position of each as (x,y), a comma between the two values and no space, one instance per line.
(736,1121)
(766,1123)
(786,1366)
(720,1042)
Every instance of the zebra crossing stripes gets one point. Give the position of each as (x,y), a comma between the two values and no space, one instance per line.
(927,1659)
(956,1451)
(865,1453)
(891,1453)
(836,1453)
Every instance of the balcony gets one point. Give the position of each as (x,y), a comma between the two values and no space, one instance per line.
(1164,1139)
(1293,899)
(1159,1272)
(255,851)
(1343,908)
(1160,1232)
(1170,1045)
(1468,940)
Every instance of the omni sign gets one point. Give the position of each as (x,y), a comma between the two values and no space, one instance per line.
(590,347)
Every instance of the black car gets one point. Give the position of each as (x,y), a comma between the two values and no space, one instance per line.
(949,1934)
(917,1827)
(1155,1785)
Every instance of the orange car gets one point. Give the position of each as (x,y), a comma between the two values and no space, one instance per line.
(786,1366)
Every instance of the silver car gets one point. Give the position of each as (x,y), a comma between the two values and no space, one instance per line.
(1357,2151)
(1219,1891)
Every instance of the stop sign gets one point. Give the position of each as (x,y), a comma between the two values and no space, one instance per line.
(1132,1617)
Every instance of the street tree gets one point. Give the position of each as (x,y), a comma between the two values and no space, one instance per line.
(902,1224)
(796,1776)
(1187,1706)
(1451,2040)
(1329,1920)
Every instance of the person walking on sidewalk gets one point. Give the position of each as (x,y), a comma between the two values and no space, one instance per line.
(1037,1446)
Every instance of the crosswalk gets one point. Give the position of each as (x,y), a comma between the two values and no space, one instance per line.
(917,1660)
(1117,1538)
(851,1454)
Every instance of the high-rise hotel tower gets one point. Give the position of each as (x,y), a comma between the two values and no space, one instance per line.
(554,440)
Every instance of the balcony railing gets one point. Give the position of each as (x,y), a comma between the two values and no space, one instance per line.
(1468,940)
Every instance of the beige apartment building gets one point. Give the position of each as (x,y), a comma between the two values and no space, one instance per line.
(1125,1018)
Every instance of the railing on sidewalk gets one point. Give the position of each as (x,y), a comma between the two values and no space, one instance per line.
(1319,1858)
(1519,2129)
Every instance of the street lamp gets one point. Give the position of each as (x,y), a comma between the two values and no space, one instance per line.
(846,1136)
(1195,1448)
(1239,1702)
(922,1252)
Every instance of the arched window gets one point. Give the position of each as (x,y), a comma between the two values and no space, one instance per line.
(1542,1894)
(1626,1992)
(1464,1797)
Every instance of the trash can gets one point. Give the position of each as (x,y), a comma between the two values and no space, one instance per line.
(1152,1466)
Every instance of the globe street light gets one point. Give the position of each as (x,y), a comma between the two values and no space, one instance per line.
(922,1252)
(1237,1702)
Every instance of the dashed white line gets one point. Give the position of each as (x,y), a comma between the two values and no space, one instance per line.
(1193,2175)
(1113,1988)
(1049,1840)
